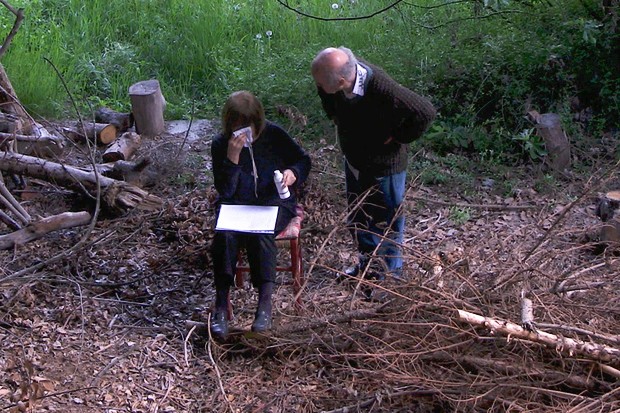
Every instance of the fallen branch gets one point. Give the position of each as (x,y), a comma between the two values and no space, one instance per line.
(376,401)
(515,369)
(11,203)
(490,207)
(116,194)
(10,222)
(36,230)
(612,339)
(594,351)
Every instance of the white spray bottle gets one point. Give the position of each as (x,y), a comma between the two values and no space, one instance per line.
(282,189)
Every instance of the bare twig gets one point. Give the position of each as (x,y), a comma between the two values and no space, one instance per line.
(19,17)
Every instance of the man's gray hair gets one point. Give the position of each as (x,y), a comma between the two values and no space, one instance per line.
(346,71)
(350,66)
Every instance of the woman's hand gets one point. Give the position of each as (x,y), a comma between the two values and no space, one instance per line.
(235,144)
(288,177)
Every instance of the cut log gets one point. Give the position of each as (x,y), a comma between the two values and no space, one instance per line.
(123,148)
(127,171)
(148,105)
(122,121)
(36,230)
(43,145)
(117,195)
(101,133)
(571,346)
(549,127)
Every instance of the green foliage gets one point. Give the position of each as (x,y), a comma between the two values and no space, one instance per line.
(482,63)
(459,216)
(532,144)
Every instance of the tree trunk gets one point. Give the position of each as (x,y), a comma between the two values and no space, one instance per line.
(148,105)
(123,148)
(117,195)
(606,210)
(122,121)
(549,127)
(36,230)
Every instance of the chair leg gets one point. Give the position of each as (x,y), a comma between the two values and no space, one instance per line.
(230,307)
(297,269)
(239,273)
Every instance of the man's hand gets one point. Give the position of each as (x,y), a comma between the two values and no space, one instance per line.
(288,177)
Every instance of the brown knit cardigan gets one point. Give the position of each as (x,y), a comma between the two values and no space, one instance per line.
(387,110)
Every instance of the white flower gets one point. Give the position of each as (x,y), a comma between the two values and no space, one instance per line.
(269,33)
(259,36)
(335,6)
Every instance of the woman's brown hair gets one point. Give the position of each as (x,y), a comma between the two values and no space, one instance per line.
(240,110)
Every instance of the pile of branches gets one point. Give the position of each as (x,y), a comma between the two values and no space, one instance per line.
(521,318)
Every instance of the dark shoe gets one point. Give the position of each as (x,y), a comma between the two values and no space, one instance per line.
(349,272)
(355,270)
(262,321)
(219,324)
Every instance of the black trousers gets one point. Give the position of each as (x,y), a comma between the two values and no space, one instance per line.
(262,255)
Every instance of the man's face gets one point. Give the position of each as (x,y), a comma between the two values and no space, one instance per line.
(323,82)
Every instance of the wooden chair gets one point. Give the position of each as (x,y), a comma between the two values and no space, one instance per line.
(290,239)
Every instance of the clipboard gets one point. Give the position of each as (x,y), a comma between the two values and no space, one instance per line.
(256,219)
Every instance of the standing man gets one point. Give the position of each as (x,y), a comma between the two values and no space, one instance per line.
(376,118)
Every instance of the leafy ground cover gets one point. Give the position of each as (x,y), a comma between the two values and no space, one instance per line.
(103,328)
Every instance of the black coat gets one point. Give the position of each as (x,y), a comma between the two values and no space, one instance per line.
(274,149)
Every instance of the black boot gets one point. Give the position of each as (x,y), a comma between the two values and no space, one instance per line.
(354,270)
(219,317)
(262,319)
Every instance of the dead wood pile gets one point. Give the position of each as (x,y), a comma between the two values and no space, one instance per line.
(510,311)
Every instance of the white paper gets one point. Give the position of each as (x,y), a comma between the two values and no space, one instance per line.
(247,218)
(248,135)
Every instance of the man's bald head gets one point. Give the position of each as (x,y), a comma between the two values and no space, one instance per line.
(334,69)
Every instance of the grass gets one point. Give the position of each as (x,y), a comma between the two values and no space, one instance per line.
(201,51)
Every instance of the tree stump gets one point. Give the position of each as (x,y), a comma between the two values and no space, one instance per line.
(148,105)
(606,210)
(123,148)
(549,128)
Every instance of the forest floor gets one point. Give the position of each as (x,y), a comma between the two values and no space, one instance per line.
(102,327)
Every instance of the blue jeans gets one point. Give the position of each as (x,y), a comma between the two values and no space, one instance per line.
(377,221)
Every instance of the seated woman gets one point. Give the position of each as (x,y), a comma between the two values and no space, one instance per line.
(244,175)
